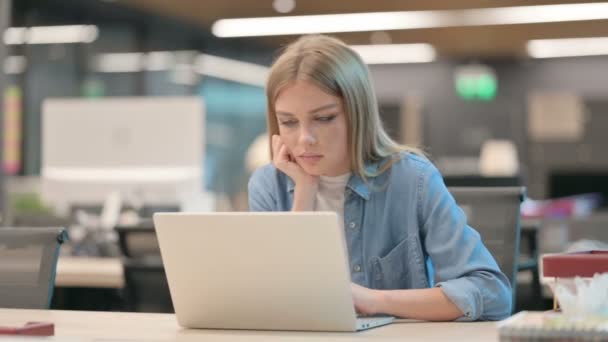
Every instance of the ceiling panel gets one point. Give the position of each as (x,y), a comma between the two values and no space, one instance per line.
(482,41)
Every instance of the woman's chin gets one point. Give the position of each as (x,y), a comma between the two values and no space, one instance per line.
(313,171)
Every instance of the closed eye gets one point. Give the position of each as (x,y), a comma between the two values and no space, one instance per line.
(288,123)
(326,118)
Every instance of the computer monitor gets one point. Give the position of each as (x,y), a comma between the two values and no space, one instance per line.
(147,148)
(564,183)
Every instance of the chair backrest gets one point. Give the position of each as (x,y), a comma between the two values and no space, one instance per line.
(495,213)
(28,261)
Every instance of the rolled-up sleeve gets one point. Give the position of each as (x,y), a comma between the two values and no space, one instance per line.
(463,267)
(259,191)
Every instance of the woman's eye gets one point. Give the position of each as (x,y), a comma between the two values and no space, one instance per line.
(327,118)
(288,122)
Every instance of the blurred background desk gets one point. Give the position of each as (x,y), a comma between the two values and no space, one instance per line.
(92,272)
(89,283)
(133,280)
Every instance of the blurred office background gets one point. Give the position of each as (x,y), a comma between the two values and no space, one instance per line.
(515,95)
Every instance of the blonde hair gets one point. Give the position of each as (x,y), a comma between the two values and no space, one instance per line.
(338,70)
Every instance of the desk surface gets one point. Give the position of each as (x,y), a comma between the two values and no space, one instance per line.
(121,326)
(89,272)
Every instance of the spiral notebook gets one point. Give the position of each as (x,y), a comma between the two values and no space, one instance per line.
(552,326)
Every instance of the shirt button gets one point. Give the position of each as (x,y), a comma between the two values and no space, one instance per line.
(357,268)
(352,225)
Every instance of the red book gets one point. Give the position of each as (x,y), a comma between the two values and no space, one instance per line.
(570,265)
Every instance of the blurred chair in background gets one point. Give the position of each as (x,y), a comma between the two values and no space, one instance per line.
(28,262)
(495,213)
(146,283)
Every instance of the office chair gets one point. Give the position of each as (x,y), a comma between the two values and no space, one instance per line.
(495,213)
(146,284)
(28,261)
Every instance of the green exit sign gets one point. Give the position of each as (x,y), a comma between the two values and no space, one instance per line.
(476,82)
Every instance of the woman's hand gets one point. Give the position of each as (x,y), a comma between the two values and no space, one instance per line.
(284,161)
(306,186)
(367,301)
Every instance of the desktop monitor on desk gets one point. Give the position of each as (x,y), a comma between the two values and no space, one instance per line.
(150,149)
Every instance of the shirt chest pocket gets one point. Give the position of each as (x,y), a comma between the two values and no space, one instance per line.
(392,271)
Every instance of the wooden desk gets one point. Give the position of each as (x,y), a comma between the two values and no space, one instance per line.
(120,326)
(89,272)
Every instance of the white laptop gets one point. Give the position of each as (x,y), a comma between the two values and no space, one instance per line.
(269,271)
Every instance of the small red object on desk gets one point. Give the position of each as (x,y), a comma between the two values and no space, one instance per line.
(30,329)
(570,265)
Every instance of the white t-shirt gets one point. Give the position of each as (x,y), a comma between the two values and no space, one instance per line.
(330,196)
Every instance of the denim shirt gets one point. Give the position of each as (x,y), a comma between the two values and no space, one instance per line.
(404,230)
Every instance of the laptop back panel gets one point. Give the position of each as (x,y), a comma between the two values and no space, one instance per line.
(275,271)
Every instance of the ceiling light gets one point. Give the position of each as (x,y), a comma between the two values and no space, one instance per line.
(230,69)
(377,21)
(119,62)
(395,53)
(51,34)
(184,64)
(570,47)
(159,60)
(14,35)
(139,61)
(325,23)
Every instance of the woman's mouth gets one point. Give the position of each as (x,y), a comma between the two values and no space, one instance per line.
(310,157)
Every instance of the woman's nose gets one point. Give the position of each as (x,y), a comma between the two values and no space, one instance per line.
(307,137)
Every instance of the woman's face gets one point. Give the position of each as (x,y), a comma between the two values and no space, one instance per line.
(312,124)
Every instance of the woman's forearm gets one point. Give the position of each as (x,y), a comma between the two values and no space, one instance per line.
(425,304)
(304,198)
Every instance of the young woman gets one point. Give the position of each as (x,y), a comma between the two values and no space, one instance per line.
(410,249)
